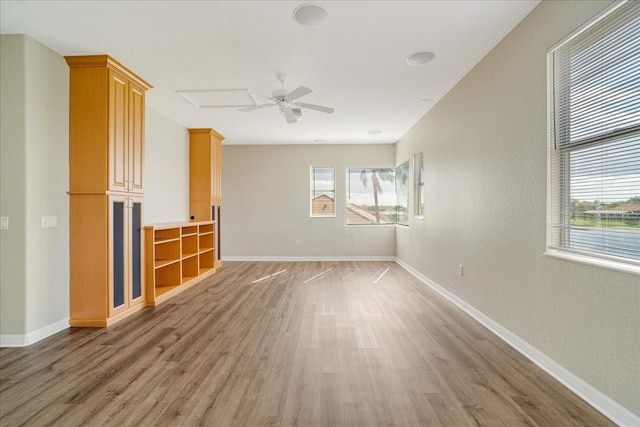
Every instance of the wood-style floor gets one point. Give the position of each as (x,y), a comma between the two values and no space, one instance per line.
(322,343)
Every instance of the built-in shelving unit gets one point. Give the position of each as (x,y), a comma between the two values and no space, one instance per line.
(178,256)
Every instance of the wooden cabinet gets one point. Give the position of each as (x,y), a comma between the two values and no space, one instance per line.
(126,134)
(106,141)
(107,255)
(205,180)
(178,256)
(205,173)
(106,154)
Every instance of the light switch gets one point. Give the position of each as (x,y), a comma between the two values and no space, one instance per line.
(49,221)
(4,222)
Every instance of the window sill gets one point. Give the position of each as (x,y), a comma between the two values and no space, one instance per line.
(598,262)
(371,225)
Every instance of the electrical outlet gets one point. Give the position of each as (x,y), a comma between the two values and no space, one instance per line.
(296,242)
(4,222)
(460,269)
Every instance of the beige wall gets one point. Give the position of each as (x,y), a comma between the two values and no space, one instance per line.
(166,170)
(266,202)
(12,185)
(35,260)
(47,182)
(485,162)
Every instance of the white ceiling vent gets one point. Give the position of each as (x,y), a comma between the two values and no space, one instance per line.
(219,98)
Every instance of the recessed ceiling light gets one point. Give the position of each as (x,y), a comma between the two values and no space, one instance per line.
(420,58)
(310,15)
(319,140)
(374,132)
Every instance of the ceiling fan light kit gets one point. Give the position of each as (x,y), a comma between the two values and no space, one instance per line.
(285,101)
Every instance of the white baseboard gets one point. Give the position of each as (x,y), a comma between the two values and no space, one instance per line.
(308,258)
(604,404)
(35,336)
(13,340)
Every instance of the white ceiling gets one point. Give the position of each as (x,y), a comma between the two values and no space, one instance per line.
(355,62)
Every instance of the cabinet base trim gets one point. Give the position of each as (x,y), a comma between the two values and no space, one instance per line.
(101,323)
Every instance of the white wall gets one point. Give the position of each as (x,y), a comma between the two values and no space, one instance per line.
(37,165)
(12,185)
(265,191)
(166,170)
(485,163)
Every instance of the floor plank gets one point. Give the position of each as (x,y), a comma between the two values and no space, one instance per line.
(287,344)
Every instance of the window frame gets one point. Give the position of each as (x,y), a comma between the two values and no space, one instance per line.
(312,190)
(558,187)
(408,184)
(418,187)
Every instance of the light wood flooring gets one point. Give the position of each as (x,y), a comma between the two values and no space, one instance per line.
(316,343)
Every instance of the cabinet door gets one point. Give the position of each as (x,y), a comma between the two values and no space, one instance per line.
(136,138)
(137,280)
(118,131)
(126,287)
(119,271)
(216,171)
(200,164)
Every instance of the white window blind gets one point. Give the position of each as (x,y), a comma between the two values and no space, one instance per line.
(594,148)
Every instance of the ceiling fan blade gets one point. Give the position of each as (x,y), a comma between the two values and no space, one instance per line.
(254,107)
(297,93)
(315,107)
(289,115)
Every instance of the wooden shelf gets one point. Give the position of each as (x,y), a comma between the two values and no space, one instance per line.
(189,230)
(162,262)
(161,290)
(161,241)
(179,255)
(170,233)
(205,229)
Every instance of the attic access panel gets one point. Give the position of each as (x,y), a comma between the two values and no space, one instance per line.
(219,98)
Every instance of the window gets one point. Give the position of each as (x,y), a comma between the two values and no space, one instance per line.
(402,193)
(323,191)
(371,196)
(418,184)
(594,141)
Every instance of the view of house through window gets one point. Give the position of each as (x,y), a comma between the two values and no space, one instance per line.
(595,142)
(323,191)
(371,196)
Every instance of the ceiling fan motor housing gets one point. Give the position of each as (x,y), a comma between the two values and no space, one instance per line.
(279,94)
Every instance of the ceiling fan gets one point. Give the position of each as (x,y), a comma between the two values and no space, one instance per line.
(285,101)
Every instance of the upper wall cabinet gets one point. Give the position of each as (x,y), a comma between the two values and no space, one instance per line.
(107,126)
(205,173)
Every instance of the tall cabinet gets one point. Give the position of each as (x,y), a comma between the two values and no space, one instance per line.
(106,190)
(205,180)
